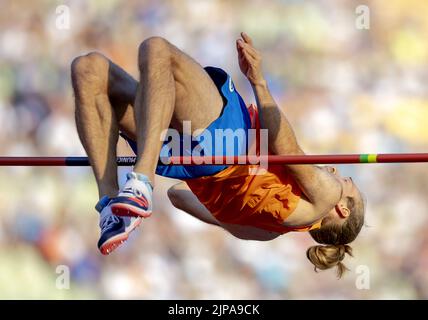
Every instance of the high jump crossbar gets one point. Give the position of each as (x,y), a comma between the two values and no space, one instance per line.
(221,160)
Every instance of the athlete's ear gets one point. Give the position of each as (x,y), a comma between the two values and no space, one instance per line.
(342,210)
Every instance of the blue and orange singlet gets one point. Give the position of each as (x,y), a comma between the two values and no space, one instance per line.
(237,197)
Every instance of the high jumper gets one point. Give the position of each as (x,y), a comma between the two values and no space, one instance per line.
(244,200)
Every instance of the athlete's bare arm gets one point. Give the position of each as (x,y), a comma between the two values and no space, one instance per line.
(322,190)
(184,199)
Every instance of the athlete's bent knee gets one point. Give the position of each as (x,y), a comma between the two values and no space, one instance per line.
(155,47)
(86,65)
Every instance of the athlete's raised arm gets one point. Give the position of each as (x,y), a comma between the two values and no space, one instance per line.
(320,187)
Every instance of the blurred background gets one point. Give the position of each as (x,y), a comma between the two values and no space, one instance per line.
(345,90)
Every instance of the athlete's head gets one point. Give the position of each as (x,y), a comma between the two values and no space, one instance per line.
(338,228)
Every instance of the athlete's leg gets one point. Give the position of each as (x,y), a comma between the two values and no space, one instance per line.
(103,95)
(173,87)
(178,89)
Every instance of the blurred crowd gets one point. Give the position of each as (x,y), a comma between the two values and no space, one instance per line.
(344,89)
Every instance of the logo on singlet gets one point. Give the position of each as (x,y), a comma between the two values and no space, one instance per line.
(230,85)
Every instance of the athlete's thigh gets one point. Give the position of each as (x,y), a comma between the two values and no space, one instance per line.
(197,98)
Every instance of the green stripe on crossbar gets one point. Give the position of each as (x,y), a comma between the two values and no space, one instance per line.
(368,158)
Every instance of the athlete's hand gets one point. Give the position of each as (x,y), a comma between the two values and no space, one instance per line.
(250,60)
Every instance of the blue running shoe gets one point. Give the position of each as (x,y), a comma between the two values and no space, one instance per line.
(135,198)
(114,230)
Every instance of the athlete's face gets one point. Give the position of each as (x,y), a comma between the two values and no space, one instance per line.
(349,188)
(350,194)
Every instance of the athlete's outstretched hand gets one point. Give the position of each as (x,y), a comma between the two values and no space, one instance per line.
(250,60)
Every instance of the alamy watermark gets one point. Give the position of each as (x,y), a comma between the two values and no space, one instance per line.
(62,20)
(216,147)
(362,21)
(62,281)
(362,282)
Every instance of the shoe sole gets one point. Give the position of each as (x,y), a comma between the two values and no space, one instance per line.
(126,210)
(114,242)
